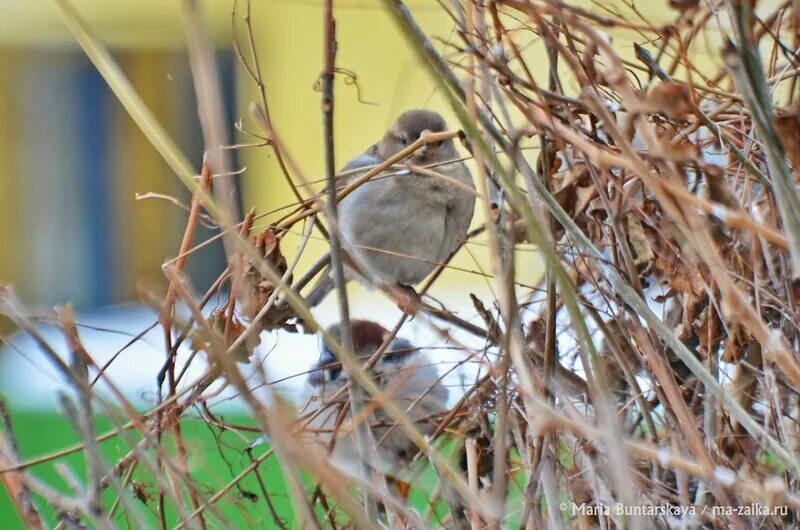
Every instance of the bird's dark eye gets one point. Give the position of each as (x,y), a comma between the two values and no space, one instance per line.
(403,140)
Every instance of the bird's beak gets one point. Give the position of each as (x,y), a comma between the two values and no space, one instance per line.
(326,357)
(325,365)
(425,150)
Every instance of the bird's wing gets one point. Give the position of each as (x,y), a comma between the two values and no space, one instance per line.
(322,288)
(459,216)
(368,158)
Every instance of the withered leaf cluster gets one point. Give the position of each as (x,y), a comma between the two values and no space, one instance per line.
(258,289)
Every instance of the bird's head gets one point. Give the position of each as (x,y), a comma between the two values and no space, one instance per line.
(408,128)
(367,338)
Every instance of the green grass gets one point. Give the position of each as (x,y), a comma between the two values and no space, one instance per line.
(214,459)
(41,433)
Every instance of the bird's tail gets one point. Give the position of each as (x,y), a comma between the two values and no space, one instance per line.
(321,289)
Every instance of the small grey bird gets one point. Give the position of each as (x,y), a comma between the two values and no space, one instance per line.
(406,223)
(403,372)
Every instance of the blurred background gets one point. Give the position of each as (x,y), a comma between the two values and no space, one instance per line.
(71,229)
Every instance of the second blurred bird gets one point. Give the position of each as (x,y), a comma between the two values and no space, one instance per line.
(403,372)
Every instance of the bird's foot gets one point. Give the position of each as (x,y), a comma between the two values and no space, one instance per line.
(408,300)
(403,489)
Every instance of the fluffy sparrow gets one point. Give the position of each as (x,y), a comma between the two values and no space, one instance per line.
(404,223)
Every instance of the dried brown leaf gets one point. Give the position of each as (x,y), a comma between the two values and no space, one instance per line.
(231,332)
(787,125)
(642,249)
(709,331)
(259,289)
(677,147)
(669,98)
(683,5)
(573,188)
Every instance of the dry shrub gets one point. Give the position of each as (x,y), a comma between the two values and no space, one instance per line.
(656,365)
